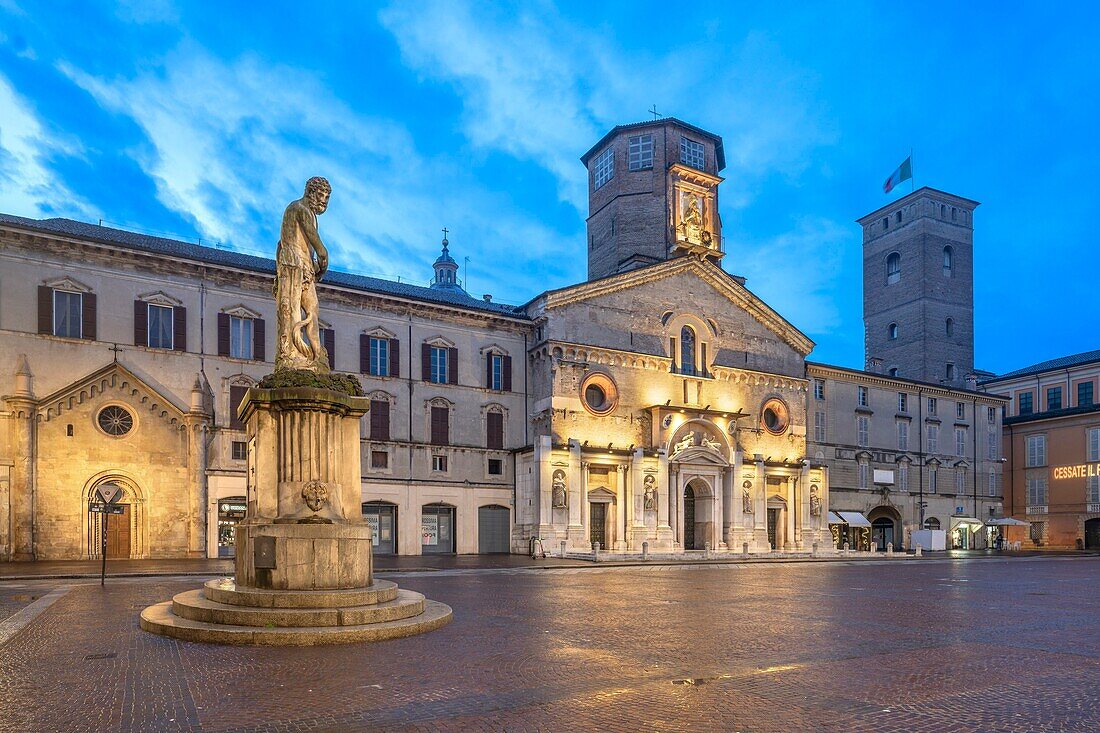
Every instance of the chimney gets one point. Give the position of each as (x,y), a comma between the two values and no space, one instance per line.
(972,382)
(487,298)
(874,364)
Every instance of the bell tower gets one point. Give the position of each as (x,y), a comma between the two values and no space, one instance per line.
(652,195)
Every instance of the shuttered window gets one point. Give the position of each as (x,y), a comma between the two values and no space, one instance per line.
(440,428)
(328,340)
(379,420)
(236,394)
(494,430)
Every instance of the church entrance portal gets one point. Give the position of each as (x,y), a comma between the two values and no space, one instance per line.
(689,518)
(599,523)
(773,524)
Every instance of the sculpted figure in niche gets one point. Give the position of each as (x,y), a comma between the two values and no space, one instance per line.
(815,501)
(649,495)
(693,217)
(559,496)
(746,497)
(300,261)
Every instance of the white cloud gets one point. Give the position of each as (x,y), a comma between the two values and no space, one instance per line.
(228,144)
(28,184)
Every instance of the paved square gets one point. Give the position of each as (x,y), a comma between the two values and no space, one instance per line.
(936,645)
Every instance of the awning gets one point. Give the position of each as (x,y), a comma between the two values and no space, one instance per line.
(966,520)
(834,519)
(854,519)
(1007,522)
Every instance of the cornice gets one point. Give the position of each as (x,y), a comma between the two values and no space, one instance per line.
(115,376)
(814,369)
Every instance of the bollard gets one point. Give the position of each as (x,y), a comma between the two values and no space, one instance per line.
(846,547)
(813,550)
(918,551)
(596,551)
(645,550)
(745,549)
(889,548)
(706,550)
(563,549)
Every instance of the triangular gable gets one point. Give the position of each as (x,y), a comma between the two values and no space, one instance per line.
(710,273)
(113,376)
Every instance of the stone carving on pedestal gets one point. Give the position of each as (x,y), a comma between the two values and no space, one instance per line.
(746,497)
(649,493)
(304,566)
(559,497)
(815,501)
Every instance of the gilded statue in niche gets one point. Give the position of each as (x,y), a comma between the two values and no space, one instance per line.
(649,494)
(301,259)
(559,496)
(693,226)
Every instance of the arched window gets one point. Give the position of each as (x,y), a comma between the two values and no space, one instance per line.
(949,326)
(893,268)
(931,523)
(892,331)
(948,260)
(687,350)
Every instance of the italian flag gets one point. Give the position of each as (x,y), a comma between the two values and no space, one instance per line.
(903,173)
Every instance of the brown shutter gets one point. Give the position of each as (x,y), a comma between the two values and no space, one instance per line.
(88,316)
(494,430)
(426,362)
(488,371)
(259,341)
(379,420)
(223,334)
(328,336)
(395,358)
(452,366)
(236,394)
(507,369)
(141,323)
(179,328)
(45,309)
(440,430)
(364,353)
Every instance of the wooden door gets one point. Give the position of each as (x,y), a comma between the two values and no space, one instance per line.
(689,518)
(598,519)
(118,535)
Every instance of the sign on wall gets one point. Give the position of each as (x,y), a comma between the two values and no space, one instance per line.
(1081,470)
(372,522)
(429,530)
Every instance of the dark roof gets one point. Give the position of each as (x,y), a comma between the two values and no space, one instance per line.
(229,258)
(1062,362)
(905,380)
(922,191)
(1051,414)
(719,151)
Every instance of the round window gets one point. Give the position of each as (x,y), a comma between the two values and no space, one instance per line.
(775,416)
(599,394)
(115,420)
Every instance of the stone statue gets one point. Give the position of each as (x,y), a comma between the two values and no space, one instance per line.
(649,495)
(815,501)
(559,496)
(746,497)
(692,216)
(300,261)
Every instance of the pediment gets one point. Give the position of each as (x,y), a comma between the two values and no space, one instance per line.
(240,311)
(601,493)
(700,454)
(727,286)
(159,297)
(112,379)
(67,283)
(378,332)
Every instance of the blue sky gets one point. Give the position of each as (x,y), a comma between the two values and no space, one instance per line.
(181,119)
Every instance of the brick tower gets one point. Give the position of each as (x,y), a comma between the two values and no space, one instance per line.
(652,194)
(918,287)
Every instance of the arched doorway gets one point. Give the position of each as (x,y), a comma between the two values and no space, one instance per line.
(381,516)
(1092,534)
(885,527)
(689,518)
(126,532)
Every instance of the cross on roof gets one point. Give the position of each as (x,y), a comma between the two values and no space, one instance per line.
(654,112)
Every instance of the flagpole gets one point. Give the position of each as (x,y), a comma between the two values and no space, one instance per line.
(912,176)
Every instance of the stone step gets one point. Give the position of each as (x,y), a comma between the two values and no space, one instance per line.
(195,606)
(225,590)
(159,619)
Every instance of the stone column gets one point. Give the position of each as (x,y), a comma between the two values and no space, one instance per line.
(676,505)
(793,508)
(577,497)
(545,472)
(621,499)
(638,530)
(664,530)
(760,505)
(586,519)
(197,424)
(23,408)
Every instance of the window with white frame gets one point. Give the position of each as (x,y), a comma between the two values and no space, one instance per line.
(160,326)
(992,487)
(863,430)
(1036,492)
(438,371)
(903,435)
(496,372)
(933,480)
(903,402)
(991,414)
(439,463)
(67,311)
(932,437)
(240,337)
(862,395)
(691,153)
(641,152)
(864,476)
(960,441)
(1036,450)
(379,365)
(960,481)
(931,405)
(604,167)
(819,389)
(903,476)
(960,410)
(1092,453)
(819,427)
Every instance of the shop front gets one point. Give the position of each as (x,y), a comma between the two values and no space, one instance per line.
(966,533)
(851,528)
(231,511)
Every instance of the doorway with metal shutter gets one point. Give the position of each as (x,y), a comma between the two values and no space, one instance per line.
(493,529)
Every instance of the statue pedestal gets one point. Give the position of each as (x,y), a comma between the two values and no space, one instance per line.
(304,553)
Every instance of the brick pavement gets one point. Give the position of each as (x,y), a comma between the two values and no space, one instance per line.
(941,645)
